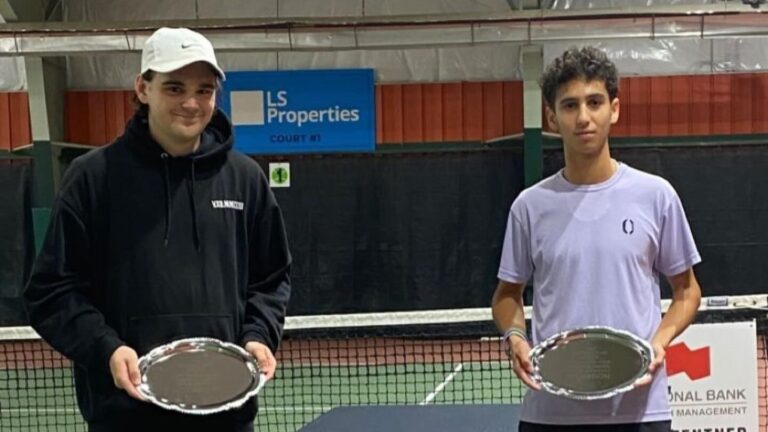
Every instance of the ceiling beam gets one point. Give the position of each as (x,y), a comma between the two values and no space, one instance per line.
(298,23)
(720,20)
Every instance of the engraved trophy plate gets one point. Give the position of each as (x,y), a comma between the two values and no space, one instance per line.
(199,376)
(590,363)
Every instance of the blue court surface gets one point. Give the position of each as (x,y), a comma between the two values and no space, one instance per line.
(407,418)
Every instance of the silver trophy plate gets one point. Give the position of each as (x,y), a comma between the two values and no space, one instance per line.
(199,376)
(590,363)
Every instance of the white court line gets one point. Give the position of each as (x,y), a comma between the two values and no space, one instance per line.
(296,408)
(442,385)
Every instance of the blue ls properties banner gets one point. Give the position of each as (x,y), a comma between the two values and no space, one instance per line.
(302,111)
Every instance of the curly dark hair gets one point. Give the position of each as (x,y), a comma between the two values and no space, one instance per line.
(589,63)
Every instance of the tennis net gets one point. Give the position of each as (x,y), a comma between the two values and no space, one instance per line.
(402,358)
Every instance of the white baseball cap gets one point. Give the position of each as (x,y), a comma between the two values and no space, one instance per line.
(170,49)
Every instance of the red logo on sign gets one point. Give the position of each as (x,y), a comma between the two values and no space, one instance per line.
(695,364)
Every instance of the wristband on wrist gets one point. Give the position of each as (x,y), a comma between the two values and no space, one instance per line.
(513,331)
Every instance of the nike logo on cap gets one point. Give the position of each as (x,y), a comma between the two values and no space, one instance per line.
(185,45)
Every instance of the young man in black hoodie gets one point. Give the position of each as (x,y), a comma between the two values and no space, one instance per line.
(166,233)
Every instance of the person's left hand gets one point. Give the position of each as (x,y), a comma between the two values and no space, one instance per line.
(264,356)
(658,361)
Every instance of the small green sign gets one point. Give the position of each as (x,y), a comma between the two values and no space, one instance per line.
(280,174)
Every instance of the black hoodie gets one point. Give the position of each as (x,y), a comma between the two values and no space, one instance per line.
(144,248)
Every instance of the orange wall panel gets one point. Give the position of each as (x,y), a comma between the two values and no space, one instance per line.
(21,127)
(512,100)
(760,103)
(741,103)
(433,112)
(15,126)
(472,104)
(96,117)
(392,111)
(77,116)
(680,106)
(114,114)
(5,122)
(701,96)
(659,106)
(97,128)
(453,112)
(639,105)
(493,111)
(413,110)
(720,103)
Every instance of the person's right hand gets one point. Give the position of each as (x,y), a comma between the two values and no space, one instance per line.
(124,365)
(521,364)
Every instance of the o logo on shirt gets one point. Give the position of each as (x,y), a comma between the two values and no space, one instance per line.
(628,226)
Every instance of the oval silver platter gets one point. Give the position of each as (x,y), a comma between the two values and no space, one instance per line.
(590,363)
(199,376)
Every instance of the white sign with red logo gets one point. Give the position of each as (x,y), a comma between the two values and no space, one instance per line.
(712,371)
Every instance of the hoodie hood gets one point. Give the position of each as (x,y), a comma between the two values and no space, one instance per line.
(216,140)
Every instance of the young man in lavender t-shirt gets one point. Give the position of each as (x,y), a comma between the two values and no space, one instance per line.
(594,239)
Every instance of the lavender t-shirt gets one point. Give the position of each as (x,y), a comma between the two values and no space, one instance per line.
(595,253)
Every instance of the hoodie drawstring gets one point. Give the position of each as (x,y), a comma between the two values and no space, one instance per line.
(192,200)
(164,157)
(194,206)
